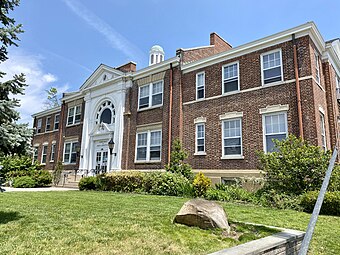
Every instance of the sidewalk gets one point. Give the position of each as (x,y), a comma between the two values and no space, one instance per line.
(10,189)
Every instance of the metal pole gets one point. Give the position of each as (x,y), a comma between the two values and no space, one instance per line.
(317,207)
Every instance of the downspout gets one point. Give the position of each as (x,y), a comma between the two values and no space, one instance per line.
(170,115)
(298,94)
(61,130)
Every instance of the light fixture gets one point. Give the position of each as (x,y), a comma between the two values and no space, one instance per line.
(111,144)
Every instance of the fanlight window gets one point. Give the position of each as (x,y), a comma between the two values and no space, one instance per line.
(106,113)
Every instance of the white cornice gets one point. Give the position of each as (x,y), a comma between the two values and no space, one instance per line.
(274,108)
(333,57)
(47,112)
(162,66)
(308,28)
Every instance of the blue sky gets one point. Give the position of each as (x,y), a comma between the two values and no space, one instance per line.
(65,40)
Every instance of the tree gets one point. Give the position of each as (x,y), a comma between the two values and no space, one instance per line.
(177,157)
(52,98)
(15,138)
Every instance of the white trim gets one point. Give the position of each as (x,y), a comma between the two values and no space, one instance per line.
(231,115)
(150,106)
(36,145)
(235,156)
(323,129)
(74,115)
(196,144)
(48,118)
(317,67)
(42,153)
(200,120)
(321,110)
(148,145)
(54,122)
(262,70)
(47,112)
(200,73)
(238,77)
(274,108)
(45,143)
(264,126)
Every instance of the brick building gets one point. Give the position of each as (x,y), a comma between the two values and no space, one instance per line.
(223,103)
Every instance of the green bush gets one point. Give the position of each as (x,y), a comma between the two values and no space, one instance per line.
(201,184)
(167,184)
(330,205)
(121,182)
(24,182)
(236,192)
(42,178)
(88,183)
(219,195)
(334,183)
(272,198)
(177,157)
(296,167)
(57,171)
(17,163)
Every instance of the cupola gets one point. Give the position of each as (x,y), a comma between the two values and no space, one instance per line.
(156,55)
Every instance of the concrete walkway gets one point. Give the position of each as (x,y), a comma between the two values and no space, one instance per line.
(10,189)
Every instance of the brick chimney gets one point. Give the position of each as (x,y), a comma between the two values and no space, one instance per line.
(128,67)
(219,43)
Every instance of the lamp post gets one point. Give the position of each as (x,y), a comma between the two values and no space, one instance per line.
(111,144)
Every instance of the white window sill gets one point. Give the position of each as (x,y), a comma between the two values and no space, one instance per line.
(51,161)
(272,83)
(75,124)
(147,161)
(65,164)
(43,164)
(201,153)
(231,93)
(200,99)
(233,157)
(150,108)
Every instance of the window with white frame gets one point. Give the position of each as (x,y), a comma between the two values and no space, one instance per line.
(232,137)
(150,95)
(200,138)
(35,153)
(317,68)
(74,115)
(230,78)
(48,124)
(323,131)
(44,154)
(200,85)
(148,145)
(70,152)
(56,121)
(271,67)
(39,125)
(52,152)
(337,80)
(275,128)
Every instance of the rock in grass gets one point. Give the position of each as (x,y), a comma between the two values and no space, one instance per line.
(203,214)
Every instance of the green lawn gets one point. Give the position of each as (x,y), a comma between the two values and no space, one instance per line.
(110,223)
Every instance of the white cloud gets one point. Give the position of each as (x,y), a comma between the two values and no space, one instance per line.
(116,40)
(37,79)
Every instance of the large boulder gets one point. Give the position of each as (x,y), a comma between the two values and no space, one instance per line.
(203,214)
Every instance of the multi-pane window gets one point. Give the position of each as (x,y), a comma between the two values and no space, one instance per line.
(317,68)
(35,153)
(323,131)
(70,152)
(148,146)
(48,124)
(39,125)
(74,115)
(232,137)
(52,152)
(200,84)
(56,121)
(230,78)
(271,67)
(200,138)
(275,128)
(44,154)
(150,95)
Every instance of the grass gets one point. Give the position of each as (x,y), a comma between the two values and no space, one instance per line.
(110,223)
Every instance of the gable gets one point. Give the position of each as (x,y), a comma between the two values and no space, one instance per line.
(101,75)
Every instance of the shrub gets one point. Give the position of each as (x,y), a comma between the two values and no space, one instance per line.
(57,171)
(17,163)
(201,184)
(24,182)
(236,192)
(167,184)
(219,195)
(42,178)
(330,205)
(272,198)
(177,157)
(88,183)
(121,182)
(296,167)
(334,183)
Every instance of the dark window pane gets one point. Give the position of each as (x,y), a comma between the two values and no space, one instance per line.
(200,93)
(200,148)
(77,118)
(230,86)
(73,157)
(200,141)
(141,153)
(106,116)
(270,143)
(70,120)
(143,102)
(232,150)
(272,75)
(157,99)
(155,155)
(232,141)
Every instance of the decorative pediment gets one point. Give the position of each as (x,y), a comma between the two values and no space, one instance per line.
(102,129)
(101,75)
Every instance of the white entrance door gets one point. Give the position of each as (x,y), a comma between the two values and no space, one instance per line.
(101,160)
